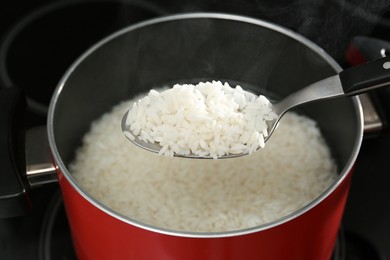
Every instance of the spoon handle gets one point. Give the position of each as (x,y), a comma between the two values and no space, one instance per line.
(366,77)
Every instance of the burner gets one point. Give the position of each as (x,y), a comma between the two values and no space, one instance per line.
(360,248)
(55,239)
(37,50)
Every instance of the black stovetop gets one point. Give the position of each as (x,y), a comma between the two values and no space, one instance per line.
(365,231)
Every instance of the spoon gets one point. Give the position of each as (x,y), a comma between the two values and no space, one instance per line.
(350,82)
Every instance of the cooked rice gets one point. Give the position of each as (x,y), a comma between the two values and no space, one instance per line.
(293,169)
(206,119)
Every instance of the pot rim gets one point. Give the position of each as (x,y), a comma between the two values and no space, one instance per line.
(201,15)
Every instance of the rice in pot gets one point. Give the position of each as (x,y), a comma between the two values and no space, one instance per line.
(191,195)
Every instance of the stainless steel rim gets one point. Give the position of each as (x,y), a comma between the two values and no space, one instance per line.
(343,174)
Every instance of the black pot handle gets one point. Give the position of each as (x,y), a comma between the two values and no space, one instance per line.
(14,187)
(371,75)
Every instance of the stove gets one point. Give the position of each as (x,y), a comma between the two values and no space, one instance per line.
(46,36)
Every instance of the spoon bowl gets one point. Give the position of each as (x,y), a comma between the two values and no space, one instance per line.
(156,147)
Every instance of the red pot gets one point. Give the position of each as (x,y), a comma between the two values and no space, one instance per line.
(100,234)
(195,47)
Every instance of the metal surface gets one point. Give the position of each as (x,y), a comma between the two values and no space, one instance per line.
(373,124)
(327,88)
(39,165)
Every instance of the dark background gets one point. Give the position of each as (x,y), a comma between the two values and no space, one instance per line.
(39,59)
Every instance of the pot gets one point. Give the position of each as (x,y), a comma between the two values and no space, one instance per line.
(192,48)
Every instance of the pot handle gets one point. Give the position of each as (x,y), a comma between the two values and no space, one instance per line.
(361,50)
(25,156)
(14,187)
(362,78)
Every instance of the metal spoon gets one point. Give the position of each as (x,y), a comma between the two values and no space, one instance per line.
(350,82)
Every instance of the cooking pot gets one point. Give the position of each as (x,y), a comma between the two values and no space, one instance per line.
(191,48)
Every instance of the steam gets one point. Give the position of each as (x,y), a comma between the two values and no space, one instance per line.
(329,23)
(344,20)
